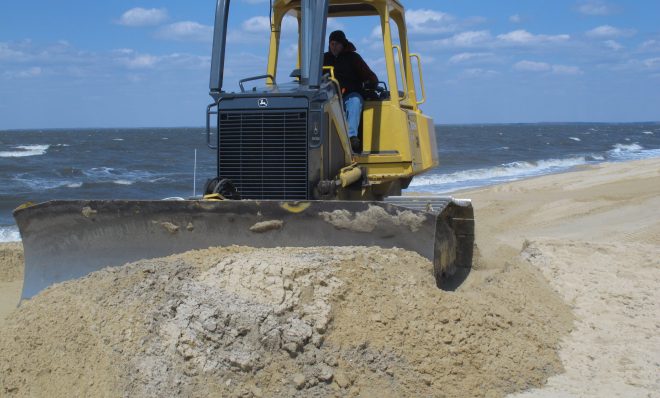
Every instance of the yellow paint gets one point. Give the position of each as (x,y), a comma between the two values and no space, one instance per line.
(295,207)
(24,206)
(213,197)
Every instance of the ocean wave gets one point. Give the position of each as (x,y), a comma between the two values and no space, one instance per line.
(627,147)
(118,139)
(574,139)
(25,150)
(595,157)
(647,132)
(40,184)
(74,178)
(9,234)
(634,151)
(503,173)
(110,173)
(123,182)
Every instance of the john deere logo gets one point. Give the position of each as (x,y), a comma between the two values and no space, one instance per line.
(262,103)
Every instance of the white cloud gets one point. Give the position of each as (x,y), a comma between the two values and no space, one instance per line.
(24,73)
(613,45)
(532,66)
(596,7)
(471,57)
(652,63)
(478,73)
(566,70)
(142,61)
(256,30)
(466,39)
(143,17)
(425,21)
(333,24)
(515,18)
(484,39)
(186,31)
(524,37)
(607,31)
(257,24)
(8,53)
(261,24)
(649,45)
(131,59)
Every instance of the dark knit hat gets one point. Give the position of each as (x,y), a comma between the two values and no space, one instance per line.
(339,37)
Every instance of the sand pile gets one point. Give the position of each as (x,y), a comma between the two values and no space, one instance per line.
(284,322)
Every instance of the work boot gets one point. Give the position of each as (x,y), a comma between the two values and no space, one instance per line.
(356,145)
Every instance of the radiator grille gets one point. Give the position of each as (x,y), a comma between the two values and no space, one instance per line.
(264,153)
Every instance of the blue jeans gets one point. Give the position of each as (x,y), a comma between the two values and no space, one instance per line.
(353,104)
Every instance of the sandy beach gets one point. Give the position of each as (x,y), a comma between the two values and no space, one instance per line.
(563,301)
(595,236)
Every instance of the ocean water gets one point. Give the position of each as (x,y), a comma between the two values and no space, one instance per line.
(40,165)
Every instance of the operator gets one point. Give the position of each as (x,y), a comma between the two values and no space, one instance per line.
(353,75)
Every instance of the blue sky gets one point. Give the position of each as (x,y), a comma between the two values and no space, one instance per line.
(146,63)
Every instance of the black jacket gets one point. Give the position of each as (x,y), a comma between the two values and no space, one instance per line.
(350,70)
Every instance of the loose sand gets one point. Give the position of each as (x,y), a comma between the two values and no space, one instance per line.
(595,236)
(563,302)
(11,277)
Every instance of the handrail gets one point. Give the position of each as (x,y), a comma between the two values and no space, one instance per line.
(208,122)
(247,79)
(334,80)
(404,85)
(421,78)
(331,69)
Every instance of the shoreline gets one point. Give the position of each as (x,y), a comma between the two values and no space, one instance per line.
(9,229)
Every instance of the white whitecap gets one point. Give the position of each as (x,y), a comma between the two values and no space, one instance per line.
(627,147)
(99,172)
(647,132)
(123,182)
(595,157)
(25,150)
(75,185)
(574,139)
(506,172)
(118,139)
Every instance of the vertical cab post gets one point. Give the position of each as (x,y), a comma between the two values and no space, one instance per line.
(219,45)
(313,26)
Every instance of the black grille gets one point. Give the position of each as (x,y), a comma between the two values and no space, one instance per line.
(264,153)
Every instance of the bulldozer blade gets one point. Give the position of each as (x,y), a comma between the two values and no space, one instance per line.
(64,240)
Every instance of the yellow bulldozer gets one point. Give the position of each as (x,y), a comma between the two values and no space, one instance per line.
(286,173)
